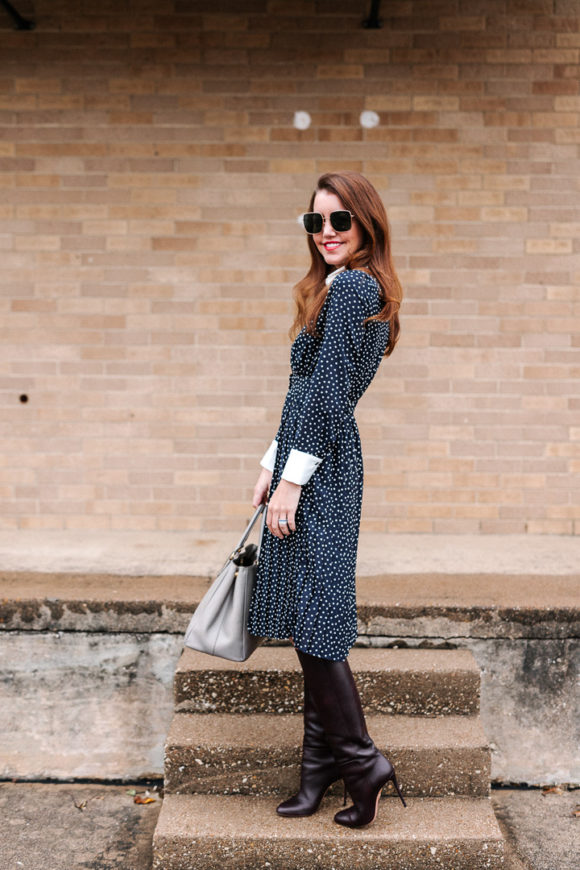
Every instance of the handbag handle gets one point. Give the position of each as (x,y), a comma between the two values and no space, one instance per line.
(249,528)
(262,527)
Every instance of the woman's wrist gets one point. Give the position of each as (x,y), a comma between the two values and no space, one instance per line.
(289,484)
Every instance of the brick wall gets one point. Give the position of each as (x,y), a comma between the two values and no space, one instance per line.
(150,175)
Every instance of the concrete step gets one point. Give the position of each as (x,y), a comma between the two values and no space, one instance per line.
(213,832)
(235,754)
(428,682)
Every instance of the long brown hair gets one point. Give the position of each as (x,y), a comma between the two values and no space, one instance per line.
(358,196)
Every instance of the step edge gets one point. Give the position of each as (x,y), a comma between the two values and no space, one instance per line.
(216,664)
(473,736)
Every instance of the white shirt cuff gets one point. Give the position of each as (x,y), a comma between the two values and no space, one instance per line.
(300,467)
(269,458)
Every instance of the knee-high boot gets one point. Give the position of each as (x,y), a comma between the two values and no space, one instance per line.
(318,770)
(364,769)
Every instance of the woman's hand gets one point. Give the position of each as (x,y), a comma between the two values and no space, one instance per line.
(261,488)
(282,506)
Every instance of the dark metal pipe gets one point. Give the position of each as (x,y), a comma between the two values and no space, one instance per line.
(20,22)
(373,22)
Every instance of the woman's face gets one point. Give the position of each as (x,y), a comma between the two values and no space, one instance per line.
(336,248)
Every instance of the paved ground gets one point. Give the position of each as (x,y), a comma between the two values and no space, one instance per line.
(541,829)
(69,827)
(202,553)
(99,827)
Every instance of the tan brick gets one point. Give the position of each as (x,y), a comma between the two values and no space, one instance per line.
(508,214)
(340,71)
(290,166)
(553,120)
(104,227)
(556,55)
(508,55)
(37,243)
(523,481)
(570,229)
(340,135)
(549,246)
(459,182)
(565,104)
(153,195)
(388,103)
(221,22)
(456,526)
(477,511)
(507,182)
(131,118)
(485,166)
(510,119)
(567,136)
(454,246)
(568,40)
(554,87)
(501,497)
(480,197)
(435,104)
(569,511)
(41,522)
(409,526)
(136,85)
(563,449)
(36,180)
(456,213)
(462,23)
(550,527)
(431,511)
(431,229)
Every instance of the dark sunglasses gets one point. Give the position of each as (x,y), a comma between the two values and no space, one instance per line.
(313,221)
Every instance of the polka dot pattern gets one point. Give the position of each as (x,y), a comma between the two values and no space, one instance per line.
(305,586)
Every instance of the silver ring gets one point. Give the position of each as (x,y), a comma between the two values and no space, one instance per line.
(282,521)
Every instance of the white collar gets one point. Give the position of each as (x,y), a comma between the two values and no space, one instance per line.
(330,278)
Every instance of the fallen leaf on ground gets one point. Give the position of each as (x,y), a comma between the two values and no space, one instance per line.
(552,789)
(143,800)
(132,792)
(81,806)
(576,812)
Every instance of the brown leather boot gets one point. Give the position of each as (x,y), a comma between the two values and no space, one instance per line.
(318,770)
(364,769)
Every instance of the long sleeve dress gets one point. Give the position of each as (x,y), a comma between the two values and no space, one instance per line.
(305,587)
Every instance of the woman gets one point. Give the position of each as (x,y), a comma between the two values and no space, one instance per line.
(346,321)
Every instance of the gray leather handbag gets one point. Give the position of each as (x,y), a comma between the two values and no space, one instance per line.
(219,625)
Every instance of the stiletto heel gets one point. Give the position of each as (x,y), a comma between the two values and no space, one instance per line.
(344,801)
(396,784)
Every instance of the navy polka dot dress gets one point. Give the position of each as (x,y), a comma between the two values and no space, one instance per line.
(305,586)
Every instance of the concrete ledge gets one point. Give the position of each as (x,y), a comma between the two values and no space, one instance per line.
(85,655)
(97,602)
(442,605)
